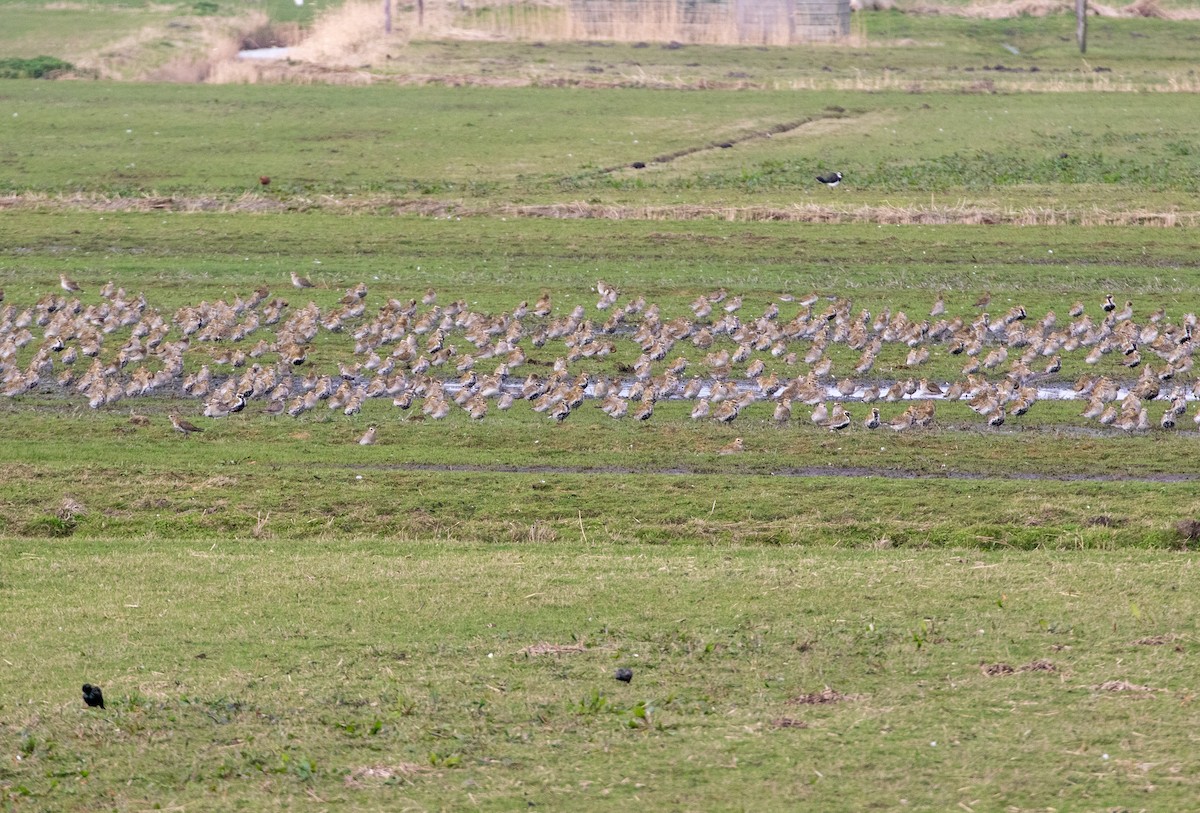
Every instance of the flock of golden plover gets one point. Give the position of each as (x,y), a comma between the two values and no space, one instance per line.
(261,350)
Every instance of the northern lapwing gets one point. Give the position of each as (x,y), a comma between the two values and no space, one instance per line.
(831,180)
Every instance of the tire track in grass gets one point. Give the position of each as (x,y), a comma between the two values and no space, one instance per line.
(773,130)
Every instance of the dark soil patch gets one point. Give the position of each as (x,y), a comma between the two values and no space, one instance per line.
(1189,529)
(788,722)
(998,669)
(1157,640)
(1039,665)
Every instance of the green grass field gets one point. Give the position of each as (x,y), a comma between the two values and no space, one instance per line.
(950,617)
(376,675)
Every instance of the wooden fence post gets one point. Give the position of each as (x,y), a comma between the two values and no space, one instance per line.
(1081,25)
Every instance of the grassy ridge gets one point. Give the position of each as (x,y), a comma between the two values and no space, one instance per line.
(276,492)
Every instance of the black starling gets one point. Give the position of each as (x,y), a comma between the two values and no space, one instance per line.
(624,674)
(638,165)
(93,696)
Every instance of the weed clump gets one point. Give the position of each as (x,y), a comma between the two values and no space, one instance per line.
(51,526)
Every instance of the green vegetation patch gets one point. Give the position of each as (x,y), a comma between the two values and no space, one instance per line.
(41,67)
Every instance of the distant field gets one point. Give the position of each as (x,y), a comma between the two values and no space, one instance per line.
(486,148)
(896,51)
(503,45)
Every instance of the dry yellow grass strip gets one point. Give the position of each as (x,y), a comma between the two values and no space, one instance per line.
(884,214)
(544,648)
(401,771)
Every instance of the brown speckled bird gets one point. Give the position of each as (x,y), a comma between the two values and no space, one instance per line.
(182,426)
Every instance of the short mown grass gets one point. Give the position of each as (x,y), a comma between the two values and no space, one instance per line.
(373,674)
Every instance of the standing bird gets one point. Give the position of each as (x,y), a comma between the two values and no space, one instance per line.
(69,285)
(624,674)
(301,282)
(839,418)
(182,426)
(264,180)
(1109,305)
(368,437)
(872,422)
(831,180)
(939,307)
(93,696)
(820,414)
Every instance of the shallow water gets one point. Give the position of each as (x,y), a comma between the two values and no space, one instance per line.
(623,388)
(276,52)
